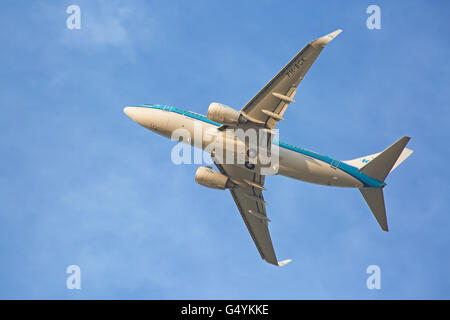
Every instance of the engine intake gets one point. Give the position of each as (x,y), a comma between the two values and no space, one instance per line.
(221,113)
(208,177)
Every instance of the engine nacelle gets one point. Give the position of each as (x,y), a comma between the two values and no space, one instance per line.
(221,113)
(208,177)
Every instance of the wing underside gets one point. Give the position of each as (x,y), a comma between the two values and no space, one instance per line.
(267,108)
(264,111)
(251,205)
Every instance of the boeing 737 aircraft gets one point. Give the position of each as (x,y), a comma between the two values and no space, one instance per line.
(245,179)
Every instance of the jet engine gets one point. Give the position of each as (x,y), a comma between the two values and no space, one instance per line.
(221,113)
(208,177)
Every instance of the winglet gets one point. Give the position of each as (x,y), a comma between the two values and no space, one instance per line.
(323,41)
(284,262)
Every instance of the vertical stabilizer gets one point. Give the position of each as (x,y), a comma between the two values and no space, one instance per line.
(362,161)
(380,167)
(375,199)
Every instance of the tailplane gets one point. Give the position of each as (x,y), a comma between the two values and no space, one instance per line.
(382,164)
(378,167)
(375,199)
(361,162)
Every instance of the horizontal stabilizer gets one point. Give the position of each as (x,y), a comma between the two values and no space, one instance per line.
(375,199)
(382,164)
(378,166)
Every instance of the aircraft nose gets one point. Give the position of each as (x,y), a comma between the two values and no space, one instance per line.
(149,118)
(138,115)
(128,111)
(131,112)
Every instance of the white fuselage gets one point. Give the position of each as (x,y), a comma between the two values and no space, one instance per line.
(294,162)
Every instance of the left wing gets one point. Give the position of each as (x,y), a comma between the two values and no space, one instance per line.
(269,105)
(249,199)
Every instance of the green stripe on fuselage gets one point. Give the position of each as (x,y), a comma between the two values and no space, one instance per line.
(351,170)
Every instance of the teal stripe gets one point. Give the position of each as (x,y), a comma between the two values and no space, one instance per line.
(181,111)
(351,170)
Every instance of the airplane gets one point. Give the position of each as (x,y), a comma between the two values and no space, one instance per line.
(245,179)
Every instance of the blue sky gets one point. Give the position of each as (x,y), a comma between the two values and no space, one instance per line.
(83,184)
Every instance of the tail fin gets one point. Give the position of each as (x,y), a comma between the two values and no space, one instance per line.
(378,168)
(361,162)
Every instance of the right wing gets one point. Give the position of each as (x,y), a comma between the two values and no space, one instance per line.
(252,207)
